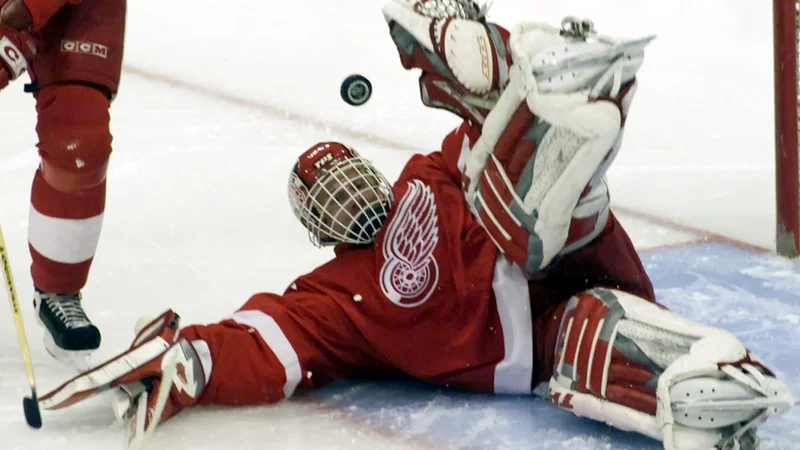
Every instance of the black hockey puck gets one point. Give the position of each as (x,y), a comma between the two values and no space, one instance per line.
(356,90)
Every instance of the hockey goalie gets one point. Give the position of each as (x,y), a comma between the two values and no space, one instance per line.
(493,265)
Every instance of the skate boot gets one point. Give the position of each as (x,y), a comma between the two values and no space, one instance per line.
(69,336)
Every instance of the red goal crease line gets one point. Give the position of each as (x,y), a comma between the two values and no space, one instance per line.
(301,118)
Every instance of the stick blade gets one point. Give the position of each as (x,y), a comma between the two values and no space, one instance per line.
(32,414)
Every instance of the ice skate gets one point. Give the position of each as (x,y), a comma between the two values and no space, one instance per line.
(70,337)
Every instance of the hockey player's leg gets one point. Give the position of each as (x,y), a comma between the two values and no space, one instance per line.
(66,214)
(249,357)
(158,376)
(262,354)
(76,74)
(275,345)
(247,364)
(141,361)
(638,367)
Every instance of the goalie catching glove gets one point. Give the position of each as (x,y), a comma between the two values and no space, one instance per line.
(535,177)
(463,57)
(636,366)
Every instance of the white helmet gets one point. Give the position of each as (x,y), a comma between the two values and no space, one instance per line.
(338,195)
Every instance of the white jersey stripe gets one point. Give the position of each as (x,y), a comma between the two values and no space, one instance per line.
(514,373)
(204,353)
(274,337)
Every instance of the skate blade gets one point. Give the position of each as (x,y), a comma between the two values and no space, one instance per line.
(79,360)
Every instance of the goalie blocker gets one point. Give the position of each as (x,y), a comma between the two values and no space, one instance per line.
(636,366)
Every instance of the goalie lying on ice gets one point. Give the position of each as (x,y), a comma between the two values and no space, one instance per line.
(432,280)
(432,298)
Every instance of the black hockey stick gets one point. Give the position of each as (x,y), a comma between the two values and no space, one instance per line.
(30,405)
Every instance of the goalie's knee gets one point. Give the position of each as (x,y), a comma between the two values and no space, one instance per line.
(593,357)
(632,364)
(74,136)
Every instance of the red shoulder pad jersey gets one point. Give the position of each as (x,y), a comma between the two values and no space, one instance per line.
(431,299)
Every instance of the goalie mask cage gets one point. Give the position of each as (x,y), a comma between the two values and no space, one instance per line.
(786,35)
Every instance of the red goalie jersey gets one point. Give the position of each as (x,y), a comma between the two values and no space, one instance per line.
(431,298)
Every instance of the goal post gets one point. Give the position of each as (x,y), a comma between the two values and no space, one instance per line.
(785,26)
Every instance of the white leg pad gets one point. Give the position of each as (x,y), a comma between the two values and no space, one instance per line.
(638,367)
